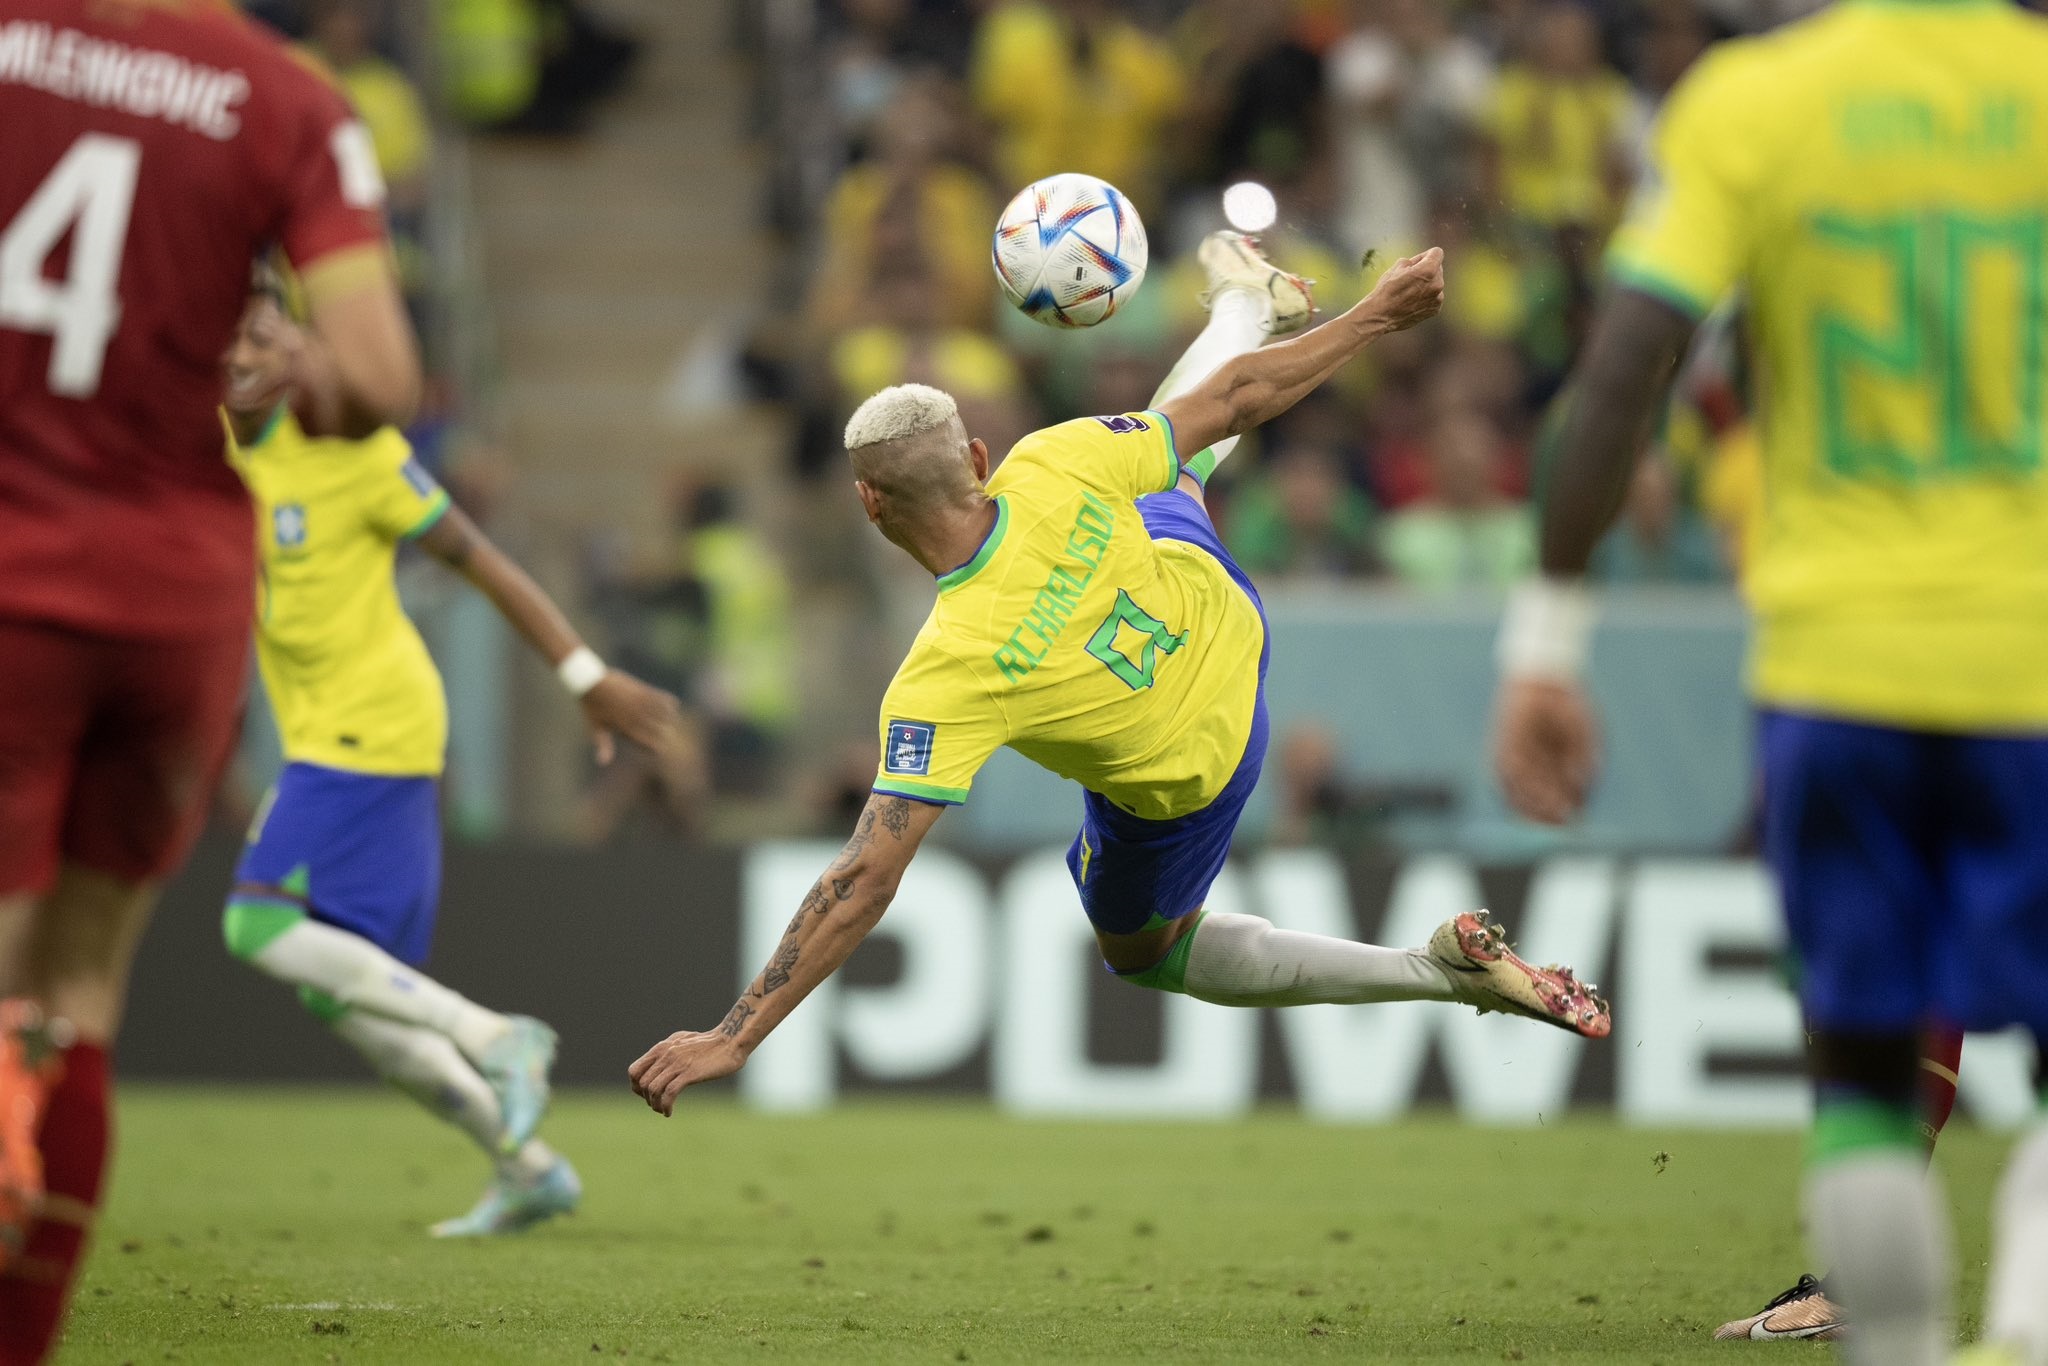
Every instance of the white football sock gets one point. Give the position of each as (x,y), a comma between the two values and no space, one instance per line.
(429,1068)
(360,975)
(1241,960)
(2016,1313)
(1238,322)
(1877,1218)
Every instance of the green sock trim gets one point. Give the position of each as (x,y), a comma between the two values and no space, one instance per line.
(1845,1128)
(251,923)
(1201,466)
(1171,972)
(321,1006)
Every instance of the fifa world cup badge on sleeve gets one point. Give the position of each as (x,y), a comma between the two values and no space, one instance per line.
(910,749)
(1123,424)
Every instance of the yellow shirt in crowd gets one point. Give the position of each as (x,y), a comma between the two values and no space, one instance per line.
(1558,140)
(1107,117)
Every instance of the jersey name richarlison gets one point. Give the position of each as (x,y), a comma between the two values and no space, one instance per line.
(1094,525)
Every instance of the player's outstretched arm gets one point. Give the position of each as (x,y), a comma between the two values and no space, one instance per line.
(834,916)
(1546,743)
(614,702)
(1260,385)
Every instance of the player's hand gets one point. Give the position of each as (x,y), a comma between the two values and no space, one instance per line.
(682,1059)
(1546,747)
(1410,292)
(621,704)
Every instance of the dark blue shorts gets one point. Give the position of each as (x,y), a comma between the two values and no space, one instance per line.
(1134,872)
(368,849)
(1914,871)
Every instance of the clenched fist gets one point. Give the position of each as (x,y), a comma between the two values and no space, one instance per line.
(1410,292)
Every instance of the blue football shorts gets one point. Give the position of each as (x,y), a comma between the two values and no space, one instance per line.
(1914,872)
(367,846)
(1133,873)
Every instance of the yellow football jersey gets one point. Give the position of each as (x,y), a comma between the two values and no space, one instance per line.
(1127,664)
(348,676)
(1876,179)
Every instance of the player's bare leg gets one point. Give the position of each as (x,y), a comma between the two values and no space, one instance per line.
(1242,960)
(81,946)
(72,954)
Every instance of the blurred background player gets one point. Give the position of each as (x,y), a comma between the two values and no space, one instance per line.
(1061,583)
(128,224)
(337,891)
(1805,1311)
(1877,178)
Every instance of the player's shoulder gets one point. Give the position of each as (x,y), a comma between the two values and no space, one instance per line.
(1085,433)
(934,665)
(1730,73)
(282,75)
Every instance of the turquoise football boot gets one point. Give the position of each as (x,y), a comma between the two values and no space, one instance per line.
(511,1207)
(517,1068)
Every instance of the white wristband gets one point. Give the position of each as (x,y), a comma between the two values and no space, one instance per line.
(1547,631)
(580,670)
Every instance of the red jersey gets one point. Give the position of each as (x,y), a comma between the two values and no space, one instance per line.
(152,150)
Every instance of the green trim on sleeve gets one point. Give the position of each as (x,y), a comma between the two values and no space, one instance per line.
(954,578)
(892,786)
(1629,275)
(436,510)
(1172,450)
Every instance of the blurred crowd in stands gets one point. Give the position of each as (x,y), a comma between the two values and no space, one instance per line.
(1509,132)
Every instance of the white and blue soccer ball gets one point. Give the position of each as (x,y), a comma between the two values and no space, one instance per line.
(1070,250)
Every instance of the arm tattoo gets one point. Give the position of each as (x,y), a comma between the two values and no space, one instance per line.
(736,1018)
(842,888)
(896,816)
(862,833)
(775,976)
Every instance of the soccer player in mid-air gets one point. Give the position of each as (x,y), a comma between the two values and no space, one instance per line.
(337,891)
(150,151)
(1876,179)
(1089,617)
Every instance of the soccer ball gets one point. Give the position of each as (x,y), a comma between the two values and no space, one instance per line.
(1070,250)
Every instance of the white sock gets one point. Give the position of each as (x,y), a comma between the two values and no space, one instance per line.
(1238,322)
(429,1068)
(2016,1313)
(1241,960)
(362,976)
(1877,1218)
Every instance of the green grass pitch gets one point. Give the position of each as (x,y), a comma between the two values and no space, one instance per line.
(283,1227)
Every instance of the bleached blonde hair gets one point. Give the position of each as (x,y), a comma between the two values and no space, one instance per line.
(899,412)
